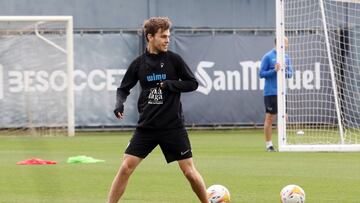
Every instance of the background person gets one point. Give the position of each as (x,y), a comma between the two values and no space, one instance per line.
(268,70)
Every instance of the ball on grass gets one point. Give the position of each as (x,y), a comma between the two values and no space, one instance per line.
(300,132)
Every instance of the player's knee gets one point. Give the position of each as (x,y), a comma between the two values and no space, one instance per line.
(190,174)
(126,169)
(269,119)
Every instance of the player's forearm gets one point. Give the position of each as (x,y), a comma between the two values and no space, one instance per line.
(123,91)
(266,74)
(180,86)
(121,96)
(289,73)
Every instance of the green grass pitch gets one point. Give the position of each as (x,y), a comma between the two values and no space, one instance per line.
(234,158)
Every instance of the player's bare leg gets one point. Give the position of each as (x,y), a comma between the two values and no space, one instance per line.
(195,179)
(122,177)
(268,126)
(268,129)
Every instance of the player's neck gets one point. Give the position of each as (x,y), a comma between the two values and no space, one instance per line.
(152,50)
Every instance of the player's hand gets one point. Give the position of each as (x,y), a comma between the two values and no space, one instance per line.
(277,67)
(161,85)
(119,112)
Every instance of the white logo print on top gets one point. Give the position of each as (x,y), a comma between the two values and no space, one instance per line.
(155,96)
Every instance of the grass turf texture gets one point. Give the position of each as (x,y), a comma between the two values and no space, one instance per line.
(234,158)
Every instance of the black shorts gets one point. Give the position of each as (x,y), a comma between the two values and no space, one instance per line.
(174,144)
(270,104)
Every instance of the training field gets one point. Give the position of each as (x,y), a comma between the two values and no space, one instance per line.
(234,158)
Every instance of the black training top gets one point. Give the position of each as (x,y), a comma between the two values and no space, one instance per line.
(159,108)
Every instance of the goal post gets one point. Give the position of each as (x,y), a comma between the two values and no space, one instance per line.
(319,107)
(36,75)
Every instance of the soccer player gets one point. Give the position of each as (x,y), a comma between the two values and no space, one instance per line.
(268,70)
(163,76)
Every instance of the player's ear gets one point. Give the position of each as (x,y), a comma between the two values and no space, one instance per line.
(149,37)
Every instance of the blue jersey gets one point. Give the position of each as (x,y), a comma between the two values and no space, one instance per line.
(267,71)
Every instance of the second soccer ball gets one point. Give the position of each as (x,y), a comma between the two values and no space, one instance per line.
(292,194)
(300,132)
(218,194)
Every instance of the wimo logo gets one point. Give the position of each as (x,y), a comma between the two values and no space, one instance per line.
(156,77)
(247,78)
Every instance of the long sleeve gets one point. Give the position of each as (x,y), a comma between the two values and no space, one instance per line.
(265,71)
(128,82)
(288,70)
(187,82)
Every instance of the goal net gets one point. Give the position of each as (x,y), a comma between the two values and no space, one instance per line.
(323,96)
(36,71)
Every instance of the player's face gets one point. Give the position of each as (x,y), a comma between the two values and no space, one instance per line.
(286,43)
(160,41)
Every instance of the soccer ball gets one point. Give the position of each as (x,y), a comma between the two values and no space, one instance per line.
(218,194)
(300,132)
(292,194)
